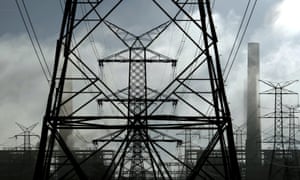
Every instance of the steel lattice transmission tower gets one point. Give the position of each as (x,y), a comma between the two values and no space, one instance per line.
(292,155)
(26,135)
(136,56)
(279,152)
(137,119)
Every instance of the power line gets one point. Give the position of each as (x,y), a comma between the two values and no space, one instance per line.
(36,38)
(46,71)
(91,37)
(213,4)
(237,35)
(241,40)
(209,110)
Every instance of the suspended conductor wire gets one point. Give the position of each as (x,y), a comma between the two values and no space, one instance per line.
(36,38)
(44,70)
(242,38)
(93,43)
(237,36)
(213,3)
(61,6)
(91,36)
(183,38)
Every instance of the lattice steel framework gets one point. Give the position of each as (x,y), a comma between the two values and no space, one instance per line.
(136,55)
(292,110)
(279,154)
(140,124)
(292,155)
(26,135)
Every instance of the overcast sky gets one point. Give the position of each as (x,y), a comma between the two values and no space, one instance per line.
(23,94)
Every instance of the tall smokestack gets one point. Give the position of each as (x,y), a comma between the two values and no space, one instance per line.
(253,141)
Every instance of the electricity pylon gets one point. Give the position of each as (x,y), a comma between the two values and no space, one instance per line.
(292,155)
(137,54)
(279,154)
(137,120)
(26,135)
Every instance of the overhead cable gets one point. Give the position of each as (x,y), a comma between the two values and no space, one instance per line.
(34,40)
(240,42)
(237,36)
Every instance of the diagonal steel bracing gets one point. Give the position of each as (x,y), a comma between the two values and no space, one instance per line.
(279,152)
(139,119)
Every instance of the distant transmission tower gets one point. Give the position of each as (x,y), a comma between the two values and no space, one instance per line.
(137,119)
(292,127)
(279,153)
(26,135)
(292,159)
(137,55)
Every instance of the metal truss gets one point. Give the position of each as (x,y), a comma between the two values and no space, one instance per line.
(279,153)
(26,135)
(292,155)
(138,119)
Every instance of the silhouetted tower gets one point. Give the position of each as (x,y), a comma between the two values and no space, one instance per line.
(137,111)
(240,136)
(279,150)
(292,160)
(189,149)
(137,55)
(292,110)
(26,135)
